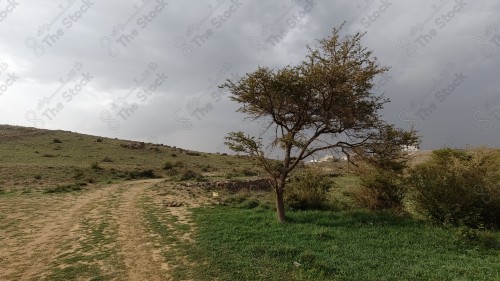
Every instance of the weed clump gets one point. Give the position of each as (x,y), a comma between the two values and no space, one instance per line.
(142,174)
(188,174)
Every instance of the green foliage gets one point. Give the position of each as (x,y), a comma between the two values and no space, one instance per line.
(168,165)
(188,174)
(64,188)
(142,174)
(249,173)
(381,189)
(308,190)
(459,187)
(107,159)
(95,166)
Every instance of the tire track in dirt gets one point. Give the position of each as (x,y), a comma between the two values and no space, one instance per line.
(44,221)
(142,261)
(33,233)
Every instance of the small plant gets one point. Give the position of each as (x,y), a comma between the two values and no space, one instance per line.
(144,174)
(248,173)
(57,141)
(38,177)
(173,155)
(48,155)
(95,166)
(308,190)
(107,159)
(168,165)
(98,140)
(78,174)
(190,175)
(64,188)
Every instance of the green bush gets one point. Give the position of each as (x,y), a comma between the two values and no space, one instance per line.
(459,188)
(308,190)
(191,175)
(381,190)
(142,174)
(168,165)
(95,166)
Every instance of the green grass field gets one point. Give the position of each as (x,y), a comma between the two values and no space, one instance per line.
(247,244)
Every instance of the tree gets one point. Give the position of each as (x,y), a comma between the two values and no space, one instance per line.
(325,102)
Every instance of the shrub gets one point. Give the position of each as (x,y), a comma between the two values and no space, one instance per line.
(168,165)
(107,159)
(307,190)
(95,166)
(144,174)
(57,141)
(190,175)
(459,188)
(48,155)
(381,189)
(248,173)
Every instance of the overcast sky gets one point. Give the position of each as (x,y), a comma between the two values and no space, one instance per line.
(149,70)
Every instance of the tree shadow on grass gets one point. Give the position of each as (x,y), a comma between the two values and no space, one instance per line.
(350,219)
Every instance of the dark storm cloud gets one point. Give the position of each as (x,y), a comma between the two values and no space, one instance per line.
(149,70)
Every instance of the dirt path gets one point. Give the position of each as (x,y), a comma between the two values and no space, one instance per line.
(94,233)
(141,258)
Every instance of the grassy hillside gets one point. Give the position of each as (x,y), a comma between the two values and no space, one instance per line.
(34,158)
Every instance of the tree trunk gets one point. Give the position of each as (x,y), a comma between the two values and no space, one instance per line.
(280,205)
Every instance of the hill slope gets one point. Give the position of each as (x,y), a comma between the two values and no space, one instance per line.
(34,158)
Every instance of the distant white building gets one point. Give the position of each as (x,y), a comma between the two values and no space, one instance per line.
(409,148)
(326,158)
